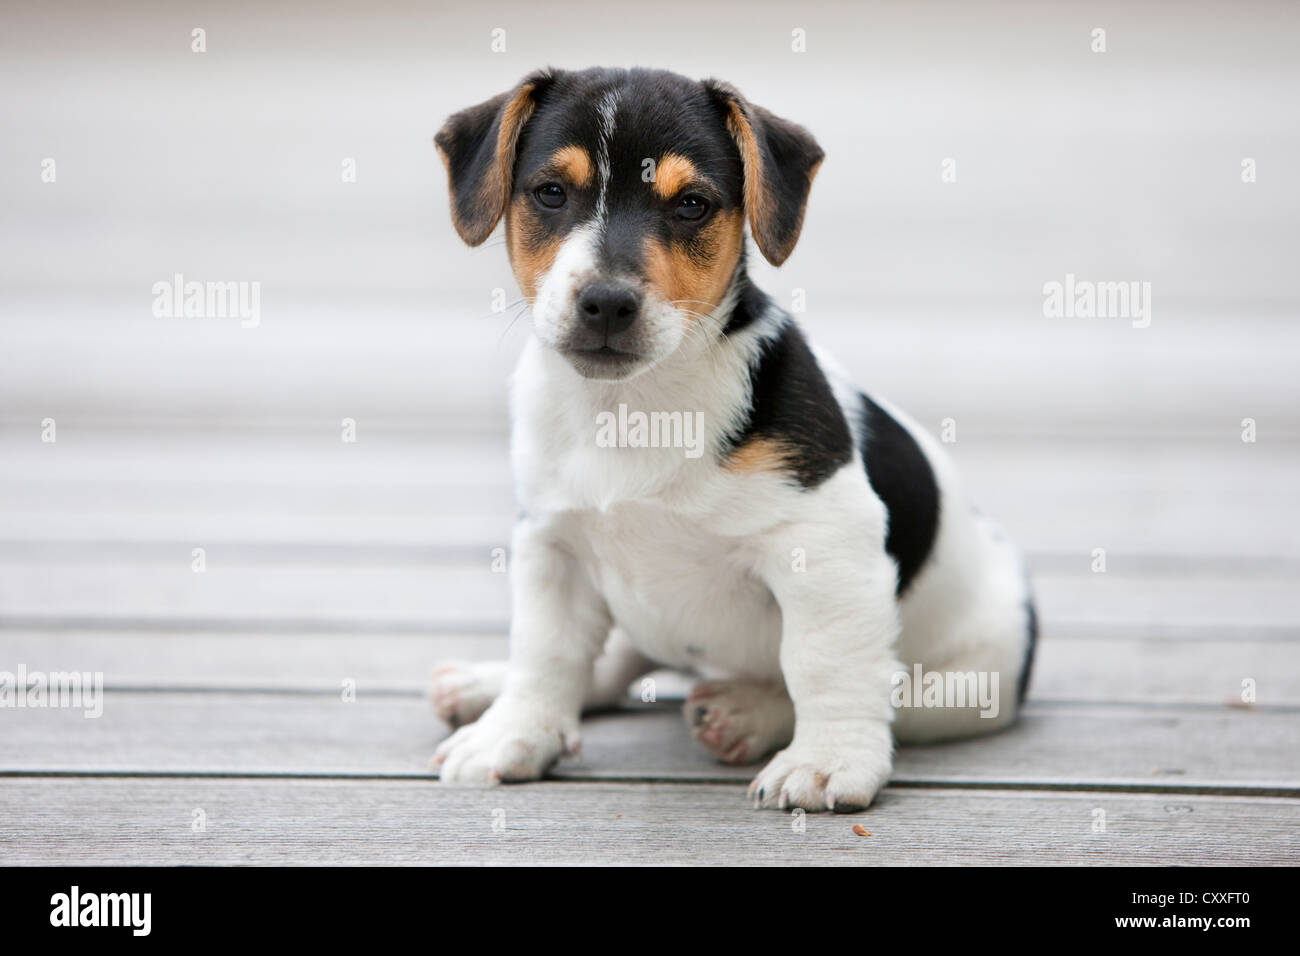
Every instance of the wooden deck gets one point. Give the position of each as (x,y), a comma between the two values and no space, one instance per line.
(331,565)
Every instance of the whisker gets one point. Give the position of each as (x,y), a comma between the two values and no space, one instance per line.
(698,333)
(511,325)
(529,300)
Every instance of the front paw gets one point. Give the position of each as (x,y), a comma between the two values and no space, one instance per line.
(832,770)
(510,742)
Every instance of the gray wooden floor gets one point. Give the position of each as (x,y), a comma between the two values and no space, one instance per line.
(226,737)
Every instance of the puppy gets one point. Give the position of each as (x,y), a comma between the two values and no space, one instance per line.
(700,489)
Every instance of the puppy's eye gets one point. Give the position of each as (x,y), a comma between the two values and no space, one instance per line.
(692,208)
(551,195)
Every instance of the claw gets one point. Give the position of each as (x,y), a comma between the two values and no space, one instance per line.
(572,744)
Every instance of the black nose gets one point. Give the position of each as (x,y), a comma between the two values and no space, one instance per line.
(609,306)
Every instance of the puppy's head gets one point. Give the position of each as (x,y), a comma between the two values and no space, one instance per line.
(624,195)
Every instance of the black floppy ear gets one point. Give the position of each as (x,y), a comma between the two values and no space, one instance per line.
(780,159)
(477,145)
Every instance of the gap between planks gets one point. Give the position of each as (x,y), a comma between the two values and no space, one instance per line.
(596,778)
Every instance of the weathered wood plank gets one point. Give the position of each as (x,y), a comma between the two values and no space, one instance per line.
(1053,745)
(397,595)
(1218,500)
(1094,668)
(1018,371)
(276,822)
(424,595)
(202,487)
(1155,671)
(1258,599)
(262,660)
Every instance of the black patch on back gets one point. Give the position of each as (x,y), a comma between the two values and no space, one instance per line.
(792,403)
(1031,641)
(901,476)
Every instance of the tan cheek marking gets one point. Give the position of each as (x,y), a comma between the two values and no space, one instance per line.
(659,270)
(672,173)
(758,455)
(574,164)
(697,284)
(531,256)
(726,236)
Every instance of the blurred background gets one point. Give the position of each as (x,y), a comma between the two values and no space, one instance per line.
(228,165)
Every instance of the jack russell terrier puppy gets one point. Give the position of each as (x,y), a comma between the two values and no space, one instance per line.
(803,544)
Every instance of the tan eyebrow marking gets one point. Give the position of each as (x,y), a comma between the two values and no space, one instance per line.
(672,173)
(574,164)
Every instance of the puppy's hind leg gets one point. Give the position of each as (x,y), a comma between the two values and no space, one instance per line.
(618,665)
(738,721)
(461,690)
(985,658)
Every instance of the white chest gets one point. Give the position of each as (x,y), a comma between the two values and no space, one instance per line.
(686,598)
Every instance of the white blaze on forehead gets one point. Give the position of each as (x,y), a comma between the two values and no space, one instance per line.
(605,111)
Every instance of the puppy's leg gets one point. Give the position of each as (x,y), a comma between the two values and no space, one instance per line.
(614,670)
(739,721)
(559,626)
(840,622)
(461,690)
